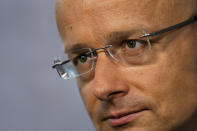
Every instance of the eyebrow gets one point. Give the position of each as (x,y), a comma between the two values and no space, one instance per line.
(77,46)
(120,35)
(110,38)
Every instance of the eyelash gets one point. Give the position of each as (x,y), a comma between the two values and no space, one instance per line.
(123,42)
(139,40)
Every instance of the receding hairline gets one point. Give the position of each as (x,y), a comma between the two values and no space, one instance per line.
(61,5)
(62,15)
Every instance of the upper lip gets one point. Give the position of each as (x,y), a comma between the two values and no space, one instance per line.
(122,114)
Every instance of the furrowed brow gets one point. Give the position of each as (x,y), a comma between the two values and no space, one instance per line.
(110,38)
(120,35)
(76,46)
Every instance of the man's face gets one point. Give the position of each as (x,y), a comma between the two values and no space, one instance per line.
(157,96)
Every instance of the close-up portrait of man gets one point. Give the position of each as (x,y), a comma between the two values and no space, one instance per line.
(134,61)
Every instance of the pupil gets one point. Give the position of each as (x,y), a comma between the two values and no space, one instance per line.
(83,59)
(131,44)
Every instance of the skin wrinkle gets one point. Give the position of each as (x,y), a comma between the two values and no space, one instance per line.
(100,32)
(164,85)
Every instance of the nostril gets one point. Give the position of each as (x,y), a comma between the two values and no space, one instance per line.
(115,94)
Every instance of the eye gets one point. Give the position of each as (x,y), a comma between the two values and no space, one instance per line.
(134,47)
(82,58)
(132,44)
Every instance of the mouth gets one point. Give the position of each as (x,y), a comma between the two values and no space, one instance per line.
(123,118)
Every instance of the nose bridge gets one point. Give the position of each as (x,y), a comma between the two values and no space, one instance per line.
(107,79)
(107,51)
(104,65)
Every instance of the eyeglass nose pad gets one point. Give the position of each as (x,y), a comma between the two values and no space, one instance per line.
(148,40)
(110,54)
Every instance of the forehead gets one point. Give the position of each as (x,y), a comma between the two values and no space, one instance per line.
(71,11)
(96,18)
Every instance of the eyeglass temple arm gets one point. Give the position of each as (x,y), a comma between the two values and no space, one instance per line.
(189,21)
(57,62)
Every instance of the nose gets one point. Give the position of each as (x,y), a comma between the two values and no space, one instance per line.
(108,82)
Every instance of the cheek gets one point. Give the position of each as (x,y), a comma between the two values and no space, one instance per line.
(87,96)
(169,83)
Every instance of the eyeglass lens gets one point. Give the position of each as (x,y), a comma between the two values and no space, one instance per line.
(128,53)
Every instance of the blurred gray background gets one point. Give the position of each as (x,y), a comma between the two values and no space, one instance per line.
(32,96)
